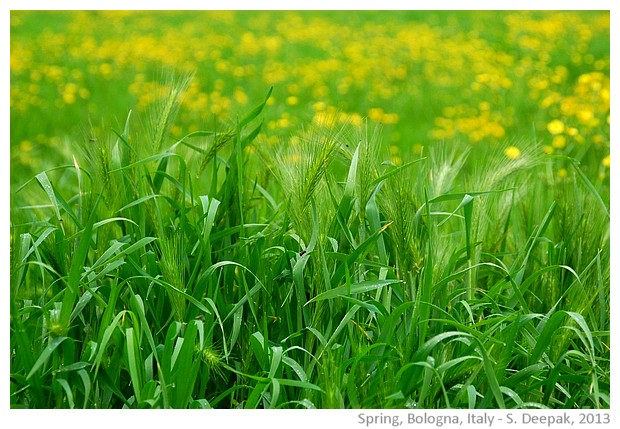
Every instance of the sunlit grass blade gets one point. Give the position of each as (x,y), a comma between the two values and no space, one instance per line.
(356,288)
(255,112)
(46,185)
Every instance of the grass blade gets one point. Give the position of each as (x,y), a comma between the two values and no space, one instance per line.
(346,290)
(45,354)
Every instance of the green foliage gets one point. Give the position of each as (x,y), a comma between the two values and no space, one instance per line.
(199,275)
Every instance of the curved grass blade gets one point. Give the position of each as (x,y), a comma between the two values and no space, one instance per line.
(69,394)
(46,185)
(87,386)
(133,357)
(255,112)
(46,353)
(365,286)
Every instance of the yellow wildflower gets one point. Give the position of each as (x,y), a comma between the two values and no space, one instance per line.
(559,142)
(555,127)
(512,152)
(585,115)
(376,114)
(240,96)
(319,106)
(390,118)
(26,146)
(606,161)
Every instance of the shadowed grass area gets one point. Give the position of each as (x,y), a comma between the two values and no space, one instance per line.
(220,271)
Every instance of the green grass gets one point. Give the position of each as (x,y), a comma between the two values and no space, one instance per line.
(219,272)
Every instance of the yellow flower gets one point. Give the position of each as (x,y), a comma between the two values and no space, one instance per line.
(283,122)
(292,100)
(355,119)
(319,106)
(559,142)
(390,118)
(68,97)
(606,161)
(585,115)
(105,69)
(323,118)
(562,172)
(512,152)
(376,114)
(555,127)
(240,96)
(26,146)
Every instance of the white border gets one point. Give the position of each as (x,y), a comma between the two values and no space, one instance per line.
(341,419)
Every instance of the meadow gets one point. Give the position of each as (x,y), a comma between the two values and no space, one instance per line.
(286,209)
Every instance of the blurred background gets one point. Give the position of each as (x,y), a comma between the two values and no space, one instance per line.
(429,77)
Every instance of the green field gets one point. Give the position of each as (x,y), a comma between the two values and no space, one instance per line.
(290,209)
